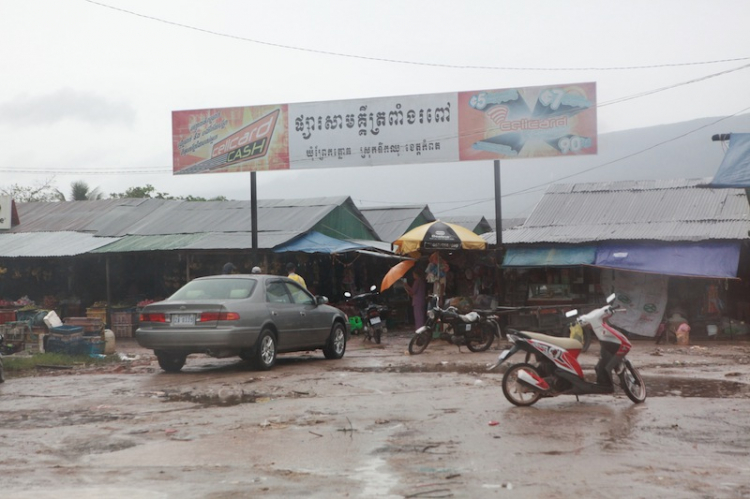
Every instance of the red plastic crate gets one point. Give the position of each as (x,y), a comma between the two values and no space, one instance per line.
(7,316)
(123,330)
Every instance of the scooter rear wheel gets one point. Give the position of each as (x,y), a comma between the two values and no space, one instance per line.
(419,342)
(632,383)
(514,391)
(481,340)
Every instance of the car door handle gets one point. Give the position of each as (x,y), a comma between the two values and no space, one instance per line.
(273,313)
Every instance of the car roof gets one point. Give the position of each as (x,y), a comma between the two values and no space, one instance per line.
(260,277)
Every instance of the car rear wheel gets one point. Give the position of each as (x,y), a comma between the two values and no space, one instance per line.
(265,352)
(336,345)
(170,361)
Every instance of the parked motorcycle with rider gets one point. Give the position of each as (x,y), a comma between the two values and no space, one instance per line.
(551,365)
(373,314)
(476,329)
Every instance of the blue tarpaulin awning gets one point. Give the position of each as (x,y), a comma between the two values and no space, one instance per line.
(734,170)
(557,256)
(718,259)
(315,242)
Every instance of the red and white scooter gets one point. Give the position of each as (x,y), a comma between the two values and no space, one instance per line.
(555,369)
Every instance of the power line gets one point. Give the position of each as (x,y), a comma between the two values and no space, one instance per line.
(414,63)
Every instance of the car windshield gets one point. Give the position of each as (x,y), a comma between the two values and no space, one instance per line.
(215,289)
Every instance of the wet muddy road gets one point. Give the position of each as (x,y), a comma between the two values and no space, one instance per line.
(378,423)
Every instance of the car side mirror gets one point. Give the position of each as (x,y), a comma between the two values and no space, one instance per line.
(347,294)
(373,288)
(321,300)
(611,298)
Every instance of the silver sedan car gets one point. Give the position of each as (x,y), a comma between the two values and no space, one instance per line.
(253,316)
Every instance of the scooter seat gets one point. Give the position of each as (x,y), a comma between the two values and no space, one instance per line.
(566,343)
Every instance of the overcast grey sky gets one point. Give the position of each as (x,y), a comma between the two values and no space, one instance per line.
(90,88)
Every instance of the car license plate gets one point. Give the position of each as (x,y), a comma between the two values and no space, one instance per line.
(183,319)
(374,320)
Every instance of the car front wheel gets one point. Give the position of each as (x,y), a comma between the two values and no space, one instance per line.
(265,352)
(336,345)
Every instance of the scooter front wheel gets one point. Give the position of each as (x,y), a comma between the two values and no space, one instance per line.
(419,342)
(514,391)
(632,383)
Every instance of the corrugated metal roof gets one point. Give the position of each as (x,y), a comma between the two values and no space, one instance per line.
(392,222)
(120,217)
(474,223)
(49,244)
(659,210)
(193,242)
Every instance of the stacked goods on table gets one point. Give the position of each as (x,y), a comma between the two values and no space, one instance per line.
(7,315)
(124,322)
(92,326)
(77,336)
(97,313)
(65,339)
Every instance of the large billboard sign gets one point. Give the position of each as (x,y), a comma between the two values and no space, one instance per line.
(558,120)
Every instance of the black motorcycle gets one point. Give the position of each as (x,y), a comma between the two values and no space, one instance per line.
(373,314)
(476,329)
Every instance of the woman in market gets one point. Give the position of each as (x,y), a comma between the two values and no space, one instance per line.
(418,292)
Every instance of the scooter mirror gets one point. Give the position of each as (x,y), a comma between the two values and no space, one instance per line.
(571,313)
(347,294)
(611,298)
(373,288)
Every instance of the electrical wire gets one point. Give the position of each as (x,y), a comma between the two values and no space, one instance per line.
(414,63)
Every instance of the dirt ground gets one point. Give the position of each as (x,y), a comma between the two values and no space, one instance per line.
(378,423)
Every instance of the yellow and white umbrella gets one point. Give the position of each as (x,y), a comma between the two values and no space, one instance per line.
(438,235)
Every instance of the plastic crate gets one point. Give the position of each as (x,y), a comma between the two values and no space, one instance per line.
(97,313)
(92,347)
(66,329)
(90,325)
(124,317)
(123,330)
(7,316)
(68,346)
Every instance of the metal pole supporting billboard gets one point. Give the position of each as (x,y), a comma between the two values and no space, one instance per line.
(499,230)
(254,213)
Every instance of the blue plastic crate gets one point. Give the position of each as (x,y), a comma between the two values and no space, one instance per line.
(68,347)
(65,329)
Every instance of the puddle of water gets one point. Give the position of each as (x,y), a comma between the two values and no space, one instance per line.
(376,479)
(690,387)
(229,397)
(662,386)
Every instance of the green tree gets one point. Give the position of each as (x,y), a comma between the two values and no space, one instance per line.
(40,191)
(148,192)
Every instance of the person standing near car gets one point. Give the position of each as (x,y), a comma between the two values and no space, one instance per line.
(228,268)
(292,274)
